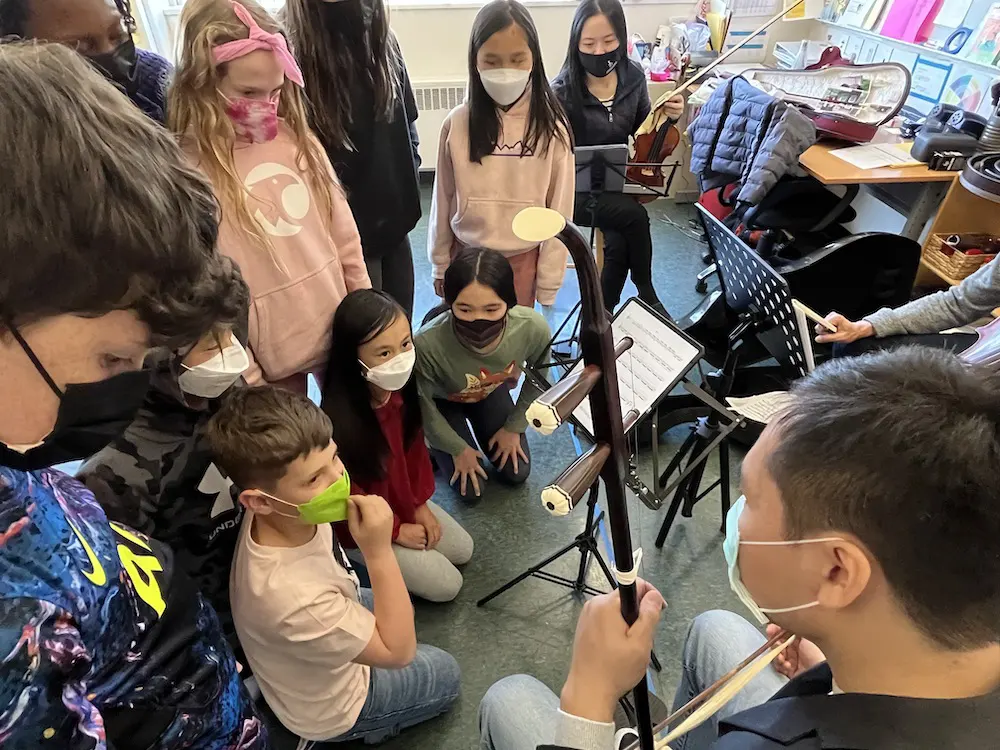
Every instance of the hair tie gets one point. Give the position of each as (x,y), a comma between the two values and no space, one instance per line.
(259,39)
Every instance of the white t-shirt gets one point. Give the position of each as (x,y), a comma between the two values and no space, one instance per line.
(301,625)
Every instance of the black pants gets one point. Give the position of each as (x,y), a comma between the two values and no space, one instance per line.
(955,341)
(392,272)
(486,417)
(628,246)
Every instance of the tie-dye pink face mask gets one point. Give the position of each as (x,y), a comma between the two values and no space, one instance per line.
(254,120)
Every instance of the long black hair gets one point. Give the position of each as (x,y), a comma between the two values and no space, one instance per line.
(340,46)
(361,316)
(546,118)
(488,267)
(572,72)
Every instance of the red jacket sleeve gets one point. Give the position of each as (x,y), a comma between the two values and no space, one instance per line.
(418,465)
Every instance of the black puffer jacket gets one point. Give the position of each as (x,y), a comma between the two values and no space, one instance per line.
(592,124)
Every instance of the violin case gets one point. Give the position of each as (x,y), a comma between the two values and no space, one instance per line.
(845,101)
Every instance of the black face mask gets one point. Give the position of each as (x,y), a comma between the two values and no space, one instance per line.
(478,334)
(90,416)
(601,65)
(119,66)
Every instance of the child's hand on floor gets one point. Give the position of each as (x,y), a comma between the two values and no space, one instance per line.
(369,519)
(412,535)
(425,517)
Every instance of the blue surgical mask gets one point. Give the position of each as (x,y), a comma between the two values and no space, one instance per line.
(731,548)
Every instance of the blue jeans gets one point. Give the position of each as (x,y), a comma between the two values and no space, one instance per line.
(716,642)
(519,712)
(401,698)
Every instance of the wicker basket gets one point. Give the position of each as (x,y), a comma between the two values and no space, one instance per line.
(958,265)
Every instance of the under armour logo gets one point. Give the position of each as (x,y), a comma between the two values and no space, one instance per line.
(213,483)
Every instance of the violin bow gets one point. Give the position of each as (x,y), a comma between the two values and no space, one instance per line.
(652,120)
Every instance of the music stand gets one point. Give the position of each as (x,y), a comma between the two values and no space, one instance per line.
(760,297)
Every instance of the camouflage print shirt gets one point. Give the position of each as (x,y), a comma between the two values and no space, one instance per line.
(158,478)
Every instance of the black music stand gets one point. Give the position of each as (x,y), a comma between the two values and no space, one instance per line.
(599,169)
(759,295)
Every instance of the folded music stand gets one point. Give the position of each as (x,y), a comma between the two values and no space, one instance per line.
(760,297)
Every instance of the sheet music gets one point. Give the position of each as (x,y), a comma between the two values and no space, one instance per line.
(762,407)
(658,358)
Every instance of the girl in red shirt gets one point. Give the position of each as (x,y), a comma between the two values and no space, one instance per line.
(371,397)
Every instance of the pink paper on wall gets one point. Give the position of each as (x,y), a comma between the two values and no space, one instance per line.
(911,20)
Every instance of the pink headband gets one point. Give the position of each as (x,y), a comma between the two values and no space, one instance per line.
(259,39)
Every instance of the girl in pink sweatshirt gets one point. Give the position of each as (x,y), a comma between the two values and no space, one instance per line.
(506,148)
(236,102)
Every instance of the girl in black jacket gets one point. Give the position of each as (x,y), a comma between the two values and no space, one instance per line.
(363,110)
(605,95)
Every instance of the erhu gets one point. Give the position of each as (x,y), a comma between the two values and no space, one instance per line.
(608,461)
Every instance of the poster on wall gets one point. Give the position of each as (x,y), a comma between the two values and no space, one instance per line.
(986,106)
(966,89)
(929,79)
(984,46)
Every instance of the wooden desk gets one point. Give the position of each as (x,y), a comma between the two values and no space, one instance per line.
(832,170)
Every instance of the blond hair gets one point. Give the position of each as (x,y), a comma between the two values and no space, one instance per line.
(195,111)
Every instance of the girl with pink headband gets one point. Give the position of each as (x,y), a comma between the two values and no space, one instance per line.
(237,104)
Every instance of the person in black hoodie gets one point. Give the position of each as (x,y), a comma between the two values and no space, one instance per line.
(363,110)
(605,95)
(158,477)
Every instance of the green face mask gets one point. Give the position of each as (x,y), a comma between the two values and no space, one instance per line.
(329,506)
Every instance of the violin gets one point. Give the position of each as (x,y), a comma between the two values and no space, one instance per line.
(658,135)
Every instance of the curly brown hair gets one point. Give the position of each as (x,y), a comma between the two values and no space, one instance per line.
(100,210)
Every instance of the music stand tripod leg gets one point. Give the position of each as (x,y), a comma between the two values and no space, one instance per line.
(585,542)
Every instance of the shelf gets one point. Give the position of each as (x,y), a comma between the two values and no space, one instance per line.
(919,48)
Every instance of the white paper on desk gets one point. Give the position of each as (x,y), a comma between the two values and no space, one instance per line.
(875,155)
(763,407)
(658,357)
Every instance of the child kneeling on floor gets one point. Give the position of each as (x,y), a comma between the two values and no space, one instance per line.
(371,395)
(334,661)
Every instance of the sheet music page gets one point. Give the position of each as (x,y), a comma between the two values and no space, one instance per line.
(805,335)
(658,357)
(762,407)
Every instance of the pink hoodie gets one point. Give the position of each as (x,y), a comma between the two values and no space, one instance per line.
(475,203)
(296,287)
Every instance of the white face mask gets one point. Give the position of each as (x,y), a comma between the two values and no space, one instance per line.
(504,85)
(394,374)
(212,378)
(731,547)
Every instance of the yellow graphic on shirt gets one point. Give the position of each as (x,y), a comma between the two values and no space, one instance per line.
(480,385)
(96,575)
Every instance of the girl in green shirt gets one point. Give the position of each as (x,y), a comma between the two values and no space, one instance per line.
(468,358)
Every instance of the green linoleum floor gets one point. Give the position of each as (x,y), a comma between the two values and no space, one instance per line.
(530,628)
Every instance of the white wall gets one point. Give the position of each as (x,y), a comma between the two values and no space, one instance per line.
(435,38)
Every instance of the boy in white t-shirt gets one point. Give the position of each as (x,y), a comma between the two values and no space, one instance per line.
(334,661)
